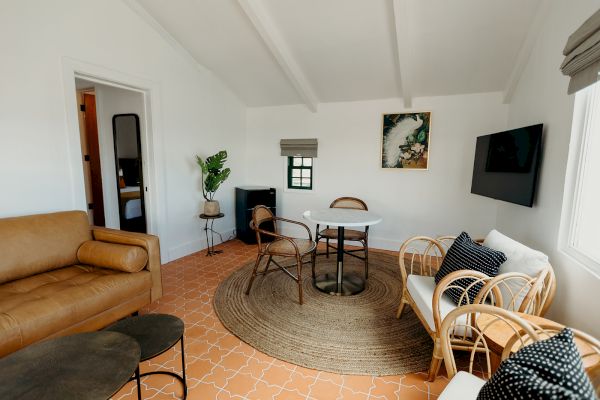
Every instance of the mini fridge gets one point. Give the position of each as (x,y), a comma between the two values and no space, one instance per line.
(246,198)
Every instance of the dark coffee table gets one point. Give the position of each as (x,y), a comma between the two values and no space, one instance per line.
(83,366)
(155,333)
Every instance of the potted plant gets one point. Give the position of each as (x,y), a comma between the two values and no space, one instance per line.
(213,174)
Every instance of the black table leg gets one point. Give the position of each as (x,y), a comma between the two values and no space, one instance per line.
(340,259)
(340,284)
(210,240)
(139,385)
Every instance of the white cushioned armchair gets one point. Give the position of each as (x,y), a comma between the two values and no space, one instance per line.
(420,257)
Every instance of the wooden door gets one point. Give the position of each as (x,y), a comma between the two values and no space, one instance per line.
(93,157)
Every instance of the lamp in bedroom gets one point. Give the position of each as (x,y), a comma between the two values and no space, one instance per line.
(213,175)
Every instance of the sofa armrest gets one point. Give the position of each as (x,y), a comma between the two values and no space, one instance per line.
(149,242)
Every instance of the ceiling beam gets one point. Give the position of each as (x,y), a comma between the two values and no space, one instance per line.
(526,49)
(401,36)
(279,49)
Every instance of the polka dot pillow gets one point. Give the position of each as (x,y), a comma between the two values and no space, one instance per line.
(466,254)
(548,369)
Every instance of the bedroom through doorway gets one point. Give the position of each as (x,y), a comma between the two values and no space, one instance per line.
(111,123)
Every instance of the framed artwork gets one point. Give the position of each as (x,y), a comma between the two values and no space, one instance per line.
(405,140)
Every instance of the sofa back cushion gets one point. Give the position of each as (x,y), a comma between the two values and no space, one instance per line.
(38,243)
(519,258)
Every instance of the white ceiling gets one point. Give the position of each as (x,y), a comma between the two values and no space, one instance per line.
(275,52)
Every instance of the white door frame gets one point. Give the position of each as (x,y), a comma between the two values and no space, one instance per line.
(151,137)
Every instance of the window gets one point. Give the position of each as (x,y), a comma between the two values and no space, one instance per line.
(300,173)
(582,222)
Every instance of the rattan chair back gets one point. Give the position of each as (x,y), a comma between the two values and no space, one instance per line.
(349,202)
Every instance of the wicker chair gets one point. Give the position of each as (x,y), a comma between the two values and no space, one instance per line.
(465,385)
(281,246)
(419,259)
(350,235)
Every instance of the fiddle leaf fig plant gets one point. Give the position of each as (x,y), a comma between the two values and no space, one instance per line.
(213,173)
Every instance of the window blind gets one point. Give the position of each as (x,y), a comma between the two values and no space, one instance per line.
(298,147)
(582,55)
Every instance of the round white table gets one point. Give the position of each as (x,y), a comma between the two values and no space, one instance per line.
(341,284)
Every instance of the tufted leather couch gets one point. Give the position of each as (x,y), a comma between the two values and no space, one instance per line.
(59,275)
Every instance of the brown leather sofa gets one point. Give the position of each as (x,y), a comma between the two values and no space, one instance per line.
(59,275)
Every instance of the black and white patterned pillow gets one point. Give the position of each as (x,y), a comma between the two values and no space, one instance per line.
(548,369)
(466,254)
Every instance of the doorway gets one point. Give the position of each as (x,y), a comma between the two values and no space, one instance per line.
(111,121)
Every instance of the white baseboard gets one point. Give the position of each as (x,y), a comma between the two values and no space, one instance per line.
(197,245)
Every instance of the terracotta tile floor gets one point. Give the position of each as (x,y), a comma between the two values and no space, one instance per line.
(220,366)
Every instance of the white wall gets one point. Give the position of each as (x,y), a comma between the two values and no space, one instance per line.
(541,96)
(197,113)
(433,202)
(111,101)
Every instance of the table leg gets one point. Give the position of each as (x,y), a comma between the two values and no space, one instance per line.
(340,259)
(340,284)
(139,384)
(207,240)
(210,240)
(212,237)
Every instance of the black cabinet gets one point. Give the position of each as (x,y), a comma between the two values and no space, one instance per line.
(246,198)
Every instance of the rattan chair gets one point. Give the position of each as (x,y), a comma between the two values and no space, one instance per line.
(281,247)
(419,259)
(350,235)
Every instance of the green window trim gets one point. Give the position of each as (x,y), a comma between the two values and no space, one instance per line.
(300,173)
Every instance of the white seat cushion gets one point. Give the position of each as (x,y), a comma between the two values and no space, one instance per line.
(463,386)
(519,258)
(421,289)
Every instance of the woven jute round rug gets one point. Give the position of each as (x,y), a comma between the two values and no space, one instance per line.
(343,334)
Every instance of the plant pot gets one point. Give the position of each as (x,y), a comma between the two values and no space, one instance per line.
(211,208)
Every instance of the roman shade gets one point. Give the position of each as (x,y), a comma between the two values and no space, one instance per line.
(582,55)
(298,147)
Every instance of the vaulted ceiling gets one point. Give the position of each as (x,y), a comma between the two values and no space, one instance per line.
(275,52)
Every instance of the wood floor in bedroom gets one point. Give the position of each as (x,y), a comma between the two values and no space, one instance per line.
(220,366)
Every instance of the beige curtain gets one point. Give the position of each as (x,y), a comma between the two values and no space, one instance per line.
(299,147)
(582,54)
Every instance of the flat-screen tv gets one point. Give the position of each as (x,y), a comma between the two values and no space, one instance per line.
(507,163)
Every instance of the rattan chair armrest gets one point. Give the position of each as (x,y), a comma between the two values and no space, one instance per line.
(521,328)
(447,282)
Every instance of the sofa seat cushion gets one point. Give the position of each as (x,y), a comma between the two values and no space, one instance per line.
(421,290)
(462,386)
(33,308)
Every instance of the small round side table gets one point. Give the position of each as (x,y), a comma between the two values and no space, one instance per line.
(155,333)
(209,220)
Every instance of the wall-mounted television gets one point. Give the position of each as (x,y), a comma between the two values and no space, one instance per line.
(507,163)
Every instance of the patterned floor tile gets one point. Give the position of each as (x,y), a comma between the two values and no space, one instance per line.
(220,366)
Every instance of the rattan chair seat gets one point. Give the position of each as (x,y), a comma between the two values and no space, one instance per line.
(284,247)
(349,234)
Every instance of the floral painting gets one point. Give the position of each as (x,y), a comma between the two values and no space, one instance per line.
(405,140)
